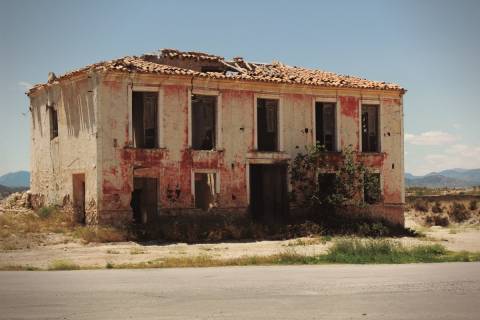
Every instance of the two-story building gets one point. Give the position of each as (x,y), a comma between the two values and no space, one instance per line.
(186,132)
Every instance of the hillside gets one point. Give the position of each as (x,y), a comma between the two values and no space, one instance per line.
(16,179)
(452,178)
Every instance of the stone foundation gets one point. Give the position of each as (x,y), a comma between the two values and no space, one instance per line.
(393,213)
(116,218)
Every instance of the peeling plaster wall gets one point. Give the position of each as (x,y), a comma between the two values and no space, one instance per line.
(110,163)
(53,162)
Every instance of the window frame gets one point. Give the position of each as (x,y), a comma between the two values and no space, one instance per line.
(280,137)
(160,129)
(320,172)
(192,182)
(218,117)
(380,186)
(53,121)
(377,105)
(337,119)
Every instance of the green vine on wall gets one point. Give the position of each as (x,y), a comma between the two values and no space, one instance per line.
(350,182)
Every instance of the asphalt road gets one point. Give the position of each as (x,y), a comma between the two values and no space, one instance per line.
(416,291)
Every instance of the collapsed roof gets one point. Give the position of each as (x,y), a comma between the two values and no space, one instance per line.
(203,65)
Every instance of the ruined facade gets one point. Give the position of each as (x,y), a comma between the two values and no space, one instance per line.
(183,132)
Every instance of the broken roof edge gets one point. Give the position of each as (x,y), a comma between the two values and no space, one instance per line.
(275,72)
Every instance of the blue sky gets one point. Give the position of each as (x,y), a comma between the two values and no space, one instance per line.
(432,48)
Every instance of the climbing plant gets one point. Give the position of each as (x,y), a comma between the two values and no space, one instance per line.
(348,179)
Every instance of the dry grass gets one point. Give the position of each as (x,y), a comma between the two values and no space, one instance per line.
(350,251)
(309,241)
(30,229)
(23,223)
(137,251)
(63,265)
(17,267)
(27,230)
(100,234)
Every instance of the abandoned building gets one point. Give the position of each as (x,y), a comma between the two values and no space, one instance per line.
(174,132)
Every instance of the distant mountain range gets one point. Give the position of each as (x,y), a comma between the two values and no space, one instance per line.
(452,178)
(16,179)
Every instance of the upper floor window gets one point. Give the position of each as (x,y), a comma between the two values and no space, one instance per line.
(144,119)
(267,124)
(53,117)
(370,127)
(204,122)
(325,125)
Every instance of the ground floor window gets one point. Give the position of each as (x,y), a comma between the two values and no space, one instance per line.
(326,185)
(371,190)
(205,190)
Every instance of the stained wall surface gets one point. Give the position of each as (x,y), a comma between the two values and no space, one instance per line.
(73,151)
(95,138)
(173,163)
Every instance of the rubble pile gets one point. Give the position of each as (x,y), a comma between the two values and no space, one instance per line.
(17,202)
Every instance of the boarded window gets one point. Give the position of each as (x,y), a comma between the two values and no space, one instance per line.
(267,124)
(371,190)
(370,125)
(205,186)
(144,119)
(325,125)
(203,122)
(53,115)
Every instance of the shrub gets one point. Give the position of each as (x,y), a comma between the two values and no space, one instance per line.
(46,212)
(375,229)
(458,212)
(101,234)
(437,207)
(421,205)
(437,220)
(305,229)
(63,265)
(382,251)
(326,191)
(473,205)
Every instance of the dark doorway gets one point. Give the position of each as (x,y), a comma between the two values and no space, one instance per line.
(79,196)
(144,200)
(268,192)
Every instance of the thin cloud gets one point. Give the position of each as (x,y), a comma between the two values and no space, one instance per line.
(25,85)
(456,156)
(430,138)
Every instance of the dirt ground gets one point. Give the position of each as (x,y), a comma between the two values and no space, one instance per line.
(40,249)
(60,247)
